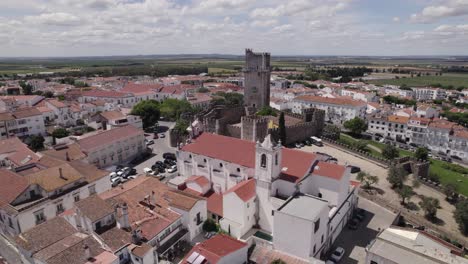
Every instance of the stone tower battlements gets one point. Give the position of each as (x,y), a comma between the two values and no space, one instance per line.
(254,128)
(257,79)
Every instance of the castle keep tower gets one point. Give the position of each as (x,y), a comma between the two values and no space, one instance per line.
(257,79)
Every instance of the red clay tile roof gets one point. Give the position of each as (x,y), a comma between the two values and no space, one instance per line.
(111,115)
(12,185)
(108,137)
(139,88)
(244,190)
(398,119)
(326,100)
(216,247)
(102,93)
(215,203)
(199,180)
(242,152)
(17,152)
(329,170)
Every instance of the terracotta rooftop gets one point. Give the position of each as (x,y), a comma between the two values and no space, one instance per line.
(326,100)
(245,190)
(94,208)
(112,115)
(215,248)
(116,238)
(263,255)
(199,180)
(45,234)
(181,200)
(215,203)
(149,218)
(103,93)
(398,119)
(72,151)
(17,152)
(242,152)
(329,170)
(12,185)
(108,137)
(54,178)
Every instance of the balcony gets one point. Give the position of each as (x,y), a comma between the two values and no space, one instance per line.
(172,241)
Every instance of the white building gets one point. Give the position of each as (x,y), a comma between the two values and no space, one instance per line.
(404,245)
(34,198)
(337,110)
(252,182)
(429,93)
(22,122)
(359,95)
(116,98)
(114,146)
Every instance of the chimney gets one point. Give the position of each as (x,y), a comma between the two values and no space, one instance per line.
(66,156)
(136,236)
(153,198)
(123,219)
(61,174)
(87,252)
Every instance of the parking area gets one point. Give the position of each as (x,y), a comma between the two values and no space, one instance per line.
(354,242)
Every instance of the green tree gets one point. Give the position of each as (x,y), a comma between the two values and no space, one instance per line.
(266,111)
(366,179)
(210,226)
(181,127)
(405,192)
(421,153)
(356,125)
(37,142)
(26,87)
(278,261)
(203,90)
(173,108)
(148,111)
(450,191)
(390,152)
(282,129)
(48,94)
(461,216)
(396,176)
(60,133)
(360,145)
(429,206)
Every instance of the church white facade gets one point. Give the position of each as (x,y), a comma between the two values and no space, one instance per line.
(297,197)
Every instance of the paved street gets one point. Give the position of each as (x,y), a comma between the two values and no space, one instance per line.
(344,157)
(160,146)
(8,251)
(355,241)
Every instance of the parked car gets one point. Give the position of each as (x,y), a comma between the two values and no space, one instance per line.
(172,169)
(208,235)
(337,255)
(149,142)
(354,169)
(149,171)
(353,224)
(169,155)
(162,135)
(113,175)
(455,157)
(297,145)
(360,214)
(116,181)
(308,143)
(131,177)
(155,136)
(133,171)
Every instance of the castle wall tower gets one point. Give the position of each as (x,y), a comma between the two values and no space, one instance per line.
(254,128)
(257,79)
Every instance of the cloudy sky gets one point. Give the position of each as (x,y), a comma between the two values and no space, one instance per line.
(292,27)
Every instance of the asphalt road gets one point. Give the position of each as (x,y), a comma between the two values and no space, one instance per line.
(160,146)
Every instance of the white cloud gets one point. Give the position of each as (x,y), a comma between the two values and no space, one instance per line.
(396,19)
(295,7)
(55,19)
(264,23)
(432,13)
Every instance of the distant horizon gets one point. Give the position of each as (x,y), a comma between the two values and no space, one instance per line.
(235,55)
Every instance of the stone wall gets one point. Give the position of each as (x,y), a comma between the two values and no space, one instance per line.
(233,131)
(254,128)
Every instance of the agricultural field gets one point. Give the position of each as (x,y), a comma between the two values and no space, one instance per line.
(447,79)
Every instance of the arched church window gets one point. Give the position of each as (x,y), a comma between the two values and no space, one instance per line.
(263,161)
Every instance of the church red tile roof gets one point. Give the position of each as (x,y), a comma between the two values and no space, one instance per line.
(242,152)
(329,170)
(12,185)
(244,190)
(199,180)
